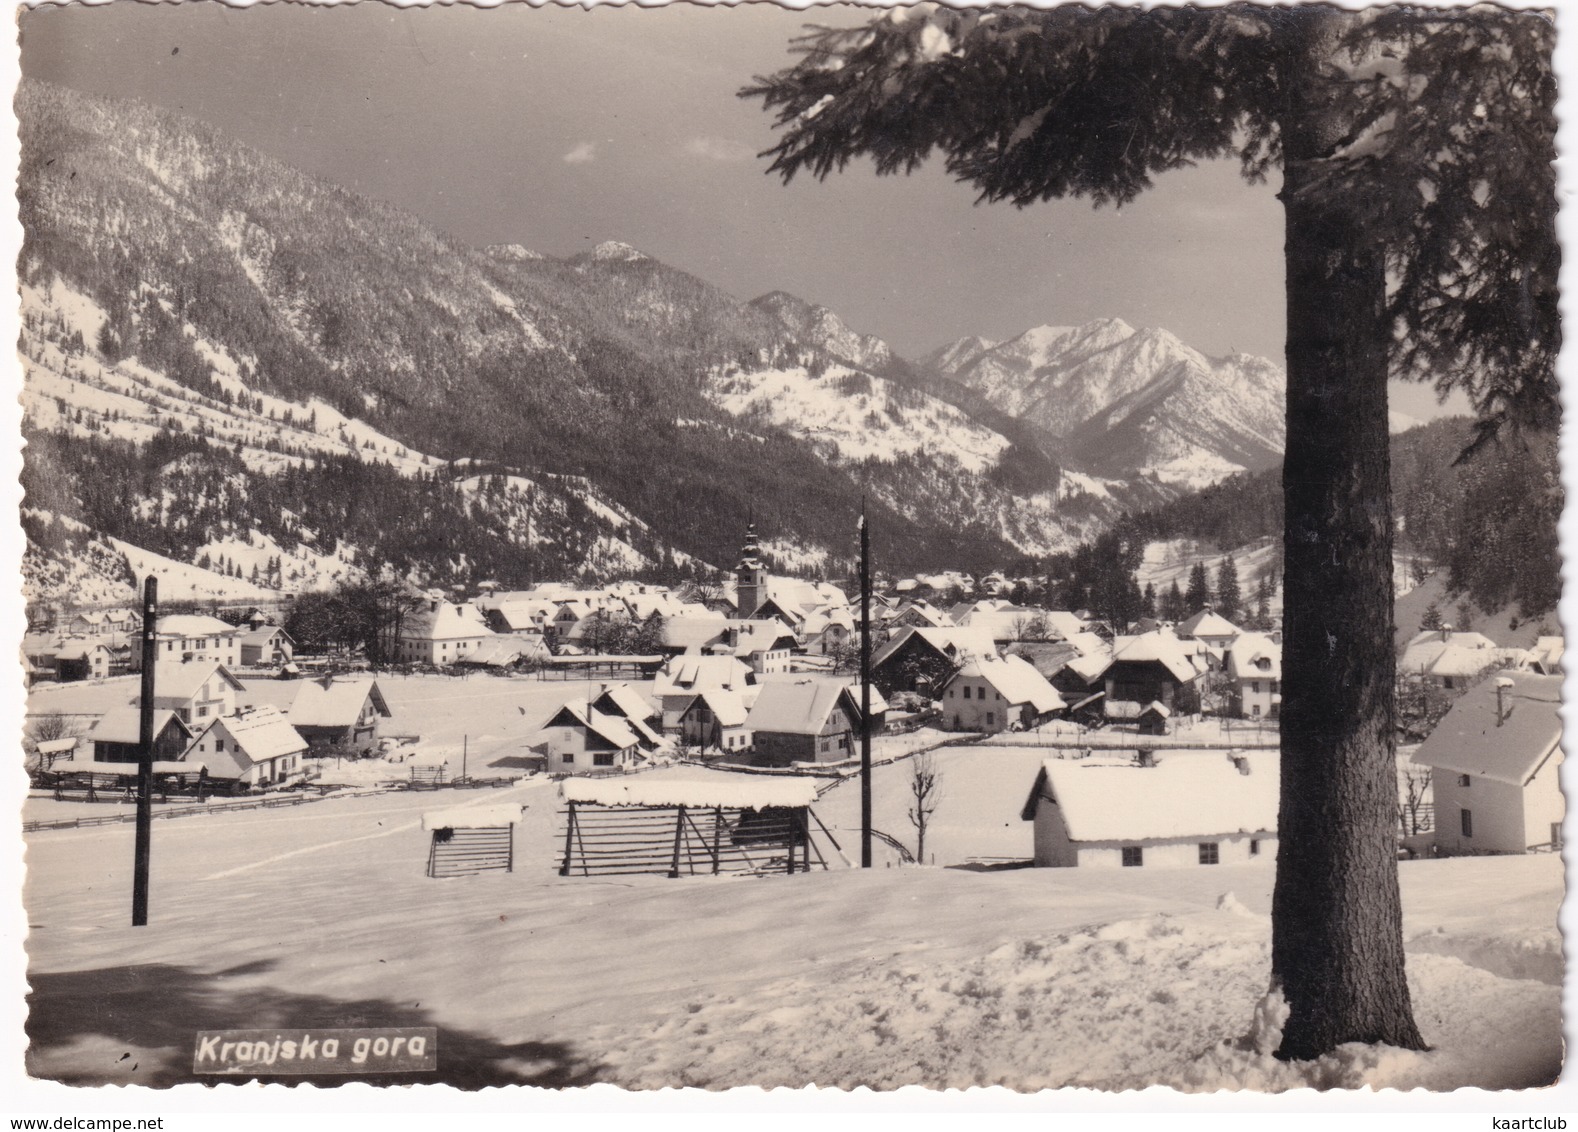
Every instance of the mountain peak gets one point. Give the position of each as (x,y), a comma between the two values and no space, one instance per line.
(511,253)
(820,327)
(617,251)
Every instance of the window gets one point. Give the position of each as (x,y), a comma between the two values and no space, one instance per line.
(603,758)
(1210,853)
(965,691)
(991,719)
(1468,823)
(1133,856)
(202,710)
(219,745)
(1254,685)
(1464,780)
(567,758)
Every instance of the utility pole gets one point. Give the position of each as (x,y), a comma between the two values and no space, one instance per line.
(865,690)
(144,843)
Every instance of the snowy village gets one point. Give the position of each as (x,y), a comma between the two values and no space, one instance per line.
(1131,658)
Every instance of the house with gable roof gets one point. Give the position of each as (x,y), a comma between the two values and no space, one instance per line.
(1493,760)
(1186,810)
(1254,668)
(1210,627)
(1453,660)
(717,720)
(809,721)
(441,633)
(579,739)
(336,715)
(682,677)
(187,637)
(266,646)
(255,747)
(197,691)
(1154,666)
(117,737)
(634,708)
(922,660)
(993,695)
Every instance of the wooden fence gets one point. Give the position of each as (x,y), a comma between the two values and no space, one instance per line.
(687,840)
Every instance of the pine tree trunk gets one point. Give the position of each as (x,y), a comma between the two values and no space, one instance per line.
(1337,945)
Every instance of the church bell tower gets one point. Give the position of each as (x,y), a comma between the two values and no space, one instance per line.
(750,579)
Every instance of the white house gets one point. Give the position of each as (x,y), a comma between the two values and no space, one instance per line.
(716,720)
(578,739)
(1254,668)
(684,676)
(186,637)
(441,633)
(1493,761)
(1186,811)
(256,747)
(197,691)
(991,695)
(1449,659)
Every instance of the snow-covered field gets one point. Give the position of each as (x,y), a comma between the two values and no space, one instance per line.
(973,971)
(1030,978)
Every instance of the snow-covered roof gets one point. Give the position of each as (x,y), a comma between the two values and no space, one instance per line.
(496,652)
(472,817)
(445,623)
(959,642)
(1162,647)
(801,707)
(1426,647)
(1208,623)
(338,705)
(56,746)
(733,792)
(174,680)
(1547,653)
(261,732)
(691,633)
(622,699)
(1506,743)
(615,730)
(728,707)
(190,625)
(1016,679)
(1064,624)
(123,724)
(1254,656)
(262,635)
(690,673)
(1183,795)
(760,636)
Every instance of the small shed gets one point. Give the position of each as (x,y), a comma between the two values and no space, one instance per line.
(1153,718)
(1187,809)
(679,827)
(471,839)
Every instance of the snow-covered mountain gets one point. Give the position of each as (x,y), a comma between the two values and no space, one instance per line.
(1130,402)
(269,371)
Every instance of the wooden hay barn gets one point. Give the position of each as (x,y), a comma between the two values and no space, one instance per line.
(740,824)
(471,839)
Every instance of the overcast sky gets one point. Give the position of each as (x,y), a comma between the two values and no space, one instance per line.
(559,129)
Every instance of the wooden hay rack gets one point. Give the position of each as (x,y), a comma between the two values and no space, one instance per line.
(470,840)
(649,825)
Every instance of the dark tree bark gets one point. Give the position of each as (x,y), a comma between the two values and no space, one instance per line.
(1337,944)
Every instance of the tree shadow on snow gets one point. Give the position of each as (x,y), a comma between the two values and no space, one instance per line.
(137,1025)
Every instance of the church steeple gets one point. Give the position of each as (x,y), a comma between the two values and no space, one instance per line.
(749,576)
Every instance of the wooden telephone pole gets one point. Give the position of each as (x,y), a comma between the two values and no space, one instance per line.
(145,737)
(865,691)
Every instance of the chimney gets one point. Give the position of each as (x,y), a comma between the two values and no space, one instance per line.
(326,680)
(1446,632)
(1503,685)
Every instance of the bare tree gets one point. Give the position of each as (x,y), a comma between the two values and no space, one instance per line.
(1415,788)
(925,794)
(45,729)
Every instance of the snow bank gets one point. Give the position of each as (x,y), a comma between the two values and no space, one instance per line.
(749,792)
(472,817)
